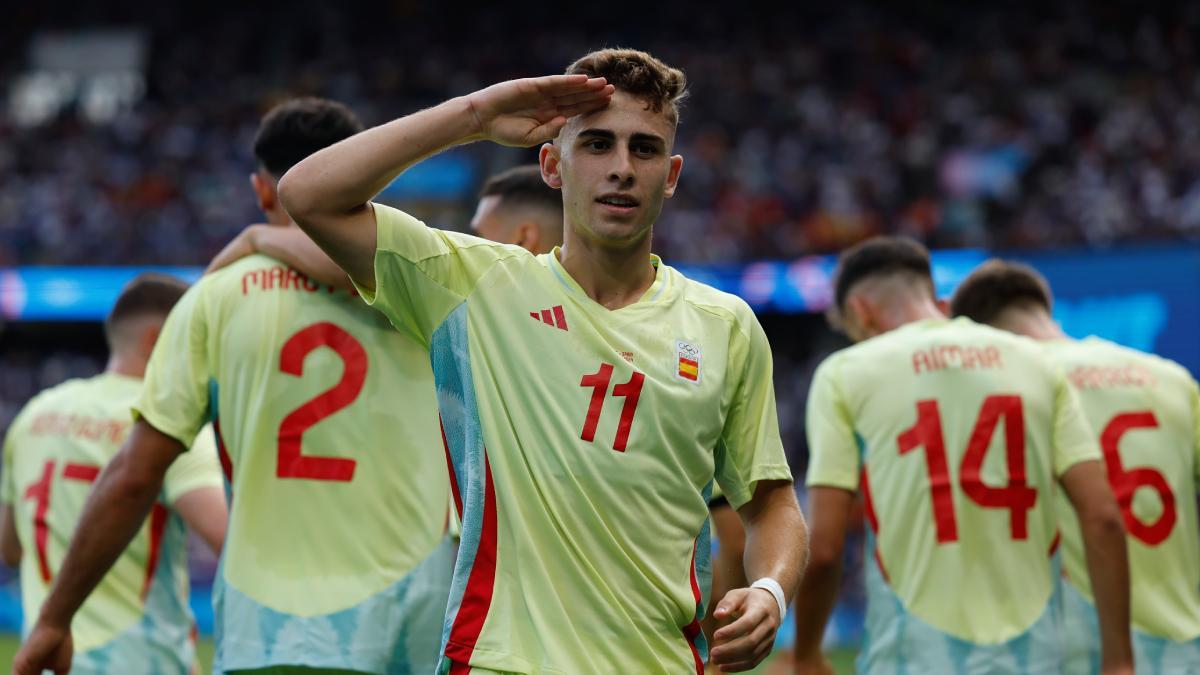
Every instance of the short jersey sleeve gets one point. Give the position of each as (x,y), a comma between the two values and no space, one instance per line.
(8,488)
(834,459)
(197,468)
(750,448)
(175,392)
(1074,441)
(1195,409)
(422,274)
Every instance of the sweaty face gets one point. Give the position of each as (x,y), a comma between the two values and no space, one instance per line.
(616,169)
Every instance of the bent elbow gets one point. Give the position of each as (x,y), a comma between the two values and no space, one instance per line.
(291,195)
(824,555)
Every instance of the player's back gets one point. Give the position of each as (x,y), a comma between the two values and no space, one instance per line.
(1144,410)
(137,620)
(329,437)
(961,432)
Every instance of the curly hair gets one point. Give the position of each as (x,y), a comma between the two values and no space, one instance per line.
(638,74)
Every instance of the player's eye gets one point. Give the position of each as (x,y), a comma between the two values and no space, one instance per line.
(596,144)
(645,149)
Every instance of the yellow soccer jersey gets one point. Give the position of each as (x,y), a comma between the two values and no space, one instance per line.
(329,435)
(584,444)
(1146,412)
(956,434)
(53,452)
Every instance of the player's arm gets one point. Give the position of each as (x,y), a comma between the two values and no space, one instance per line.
(204,510)
(752,470)
(728,570)
(115,510)
(829,510)
(10,544)
(1081,473)
(833,480)
(776,548)
(328,193)
(1104,545)
(287,244)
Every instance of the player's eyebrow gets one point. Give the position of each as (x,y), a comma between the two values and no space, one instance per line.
(610,136)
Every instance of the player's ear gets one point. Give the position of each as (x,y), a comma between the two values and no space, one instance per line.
(673,175)
(528,236)
(148,337)
(943,306)
(550,160)
(264,192)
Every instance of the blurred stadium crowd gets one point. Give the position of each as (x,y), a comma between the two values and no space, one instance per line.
(807,129)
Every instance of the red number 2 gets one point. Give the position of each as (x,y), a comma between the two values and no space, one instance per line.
(1016,496)
(631,391)
(1126,482)
(292,463)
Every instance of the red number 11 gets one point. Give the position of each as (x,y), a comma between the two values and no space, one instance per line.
(631,391)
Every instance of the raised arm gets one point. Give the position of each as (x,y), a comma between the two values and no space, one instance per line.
(287,244)
(1104,546)
(112,516)
(328,193)
(776,548)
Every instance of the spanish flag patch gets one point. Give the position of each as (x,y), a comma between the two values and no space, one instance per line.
(689,361)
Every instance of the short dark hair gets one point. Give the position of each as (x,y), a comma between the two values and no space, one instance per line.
(148,294)
(638,74)
(997,285)
(522,185)
(295,129)
(879,256)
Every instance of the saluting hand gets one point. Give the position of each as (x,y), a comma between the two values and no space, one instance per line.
(745,642)
(533,110)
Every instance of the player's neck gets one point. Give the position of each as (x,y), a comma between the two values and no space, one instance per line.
(1035,324)
(126,365)
(613,278)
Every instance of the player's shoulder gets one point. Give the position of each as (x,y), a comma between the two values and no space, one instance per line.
(1102,350)
(721,304)
(67,391)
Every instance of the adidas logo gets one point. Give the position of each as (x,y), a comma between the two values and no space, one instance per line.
(552,317)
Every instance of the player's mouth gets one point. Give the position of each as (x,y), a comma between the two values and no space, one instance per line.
(618,203)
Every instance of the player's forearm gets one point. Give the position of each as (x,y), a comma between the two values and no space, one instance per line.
(290,245)
(776,536)
(816,599)
(1108,568)
(112,516)
(343,177)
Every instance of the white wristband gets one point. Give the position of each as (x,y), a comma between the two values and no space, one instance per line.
(771,586)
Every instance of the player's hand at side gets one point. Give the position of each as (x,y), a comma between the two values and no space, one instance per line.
(47,648)
(752,618)
(533,110)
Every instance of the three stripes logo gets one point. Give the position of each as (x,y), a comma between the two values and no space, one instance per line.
(552,317)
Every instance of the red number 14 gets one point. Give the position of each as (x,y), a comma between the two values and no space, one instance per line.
(630,391)
(1016,496)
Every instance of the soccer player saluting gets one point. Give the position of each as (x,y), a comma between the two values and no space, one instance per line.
(1146,412)
(138,620)
(330,447)
(957,435)
(589,395)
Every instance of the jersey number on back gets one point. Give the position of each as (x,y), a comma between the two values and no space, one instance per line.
(1016,496)
(293,463)
(1126,482)
(39,493)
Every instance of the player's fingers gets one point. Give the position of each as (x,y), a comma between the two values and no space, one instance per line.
(744,625)
(547,131)
(582,96)
(731,604)
(749,658)
(744,647)
(561,85)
